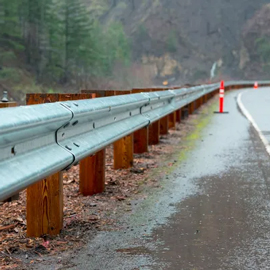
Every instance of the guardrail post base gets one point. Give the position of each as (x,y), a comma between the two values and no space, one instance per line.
(141,140)
(92,174)
(164,125)
(154,133)
(172,120)
(45,206)
(123,153)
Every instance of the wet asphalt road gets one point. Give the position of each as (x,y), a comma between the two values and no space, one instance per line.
(226,224)
(212,213)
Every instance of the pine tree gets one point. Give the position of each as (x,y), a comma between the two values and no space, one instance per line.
(62,39)
(10,34)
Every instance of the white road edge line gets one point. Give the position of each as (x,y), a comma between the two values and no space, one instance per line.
(252,121)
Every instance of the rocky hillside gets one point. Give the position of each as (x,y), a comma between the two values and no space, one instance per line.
(255,50)
(181,40)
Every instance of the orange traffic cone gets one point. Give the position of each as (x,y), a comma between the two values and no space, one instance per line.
(256,85)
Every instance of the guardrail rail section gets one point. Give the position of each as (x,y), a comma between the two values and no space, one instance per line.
(38,142)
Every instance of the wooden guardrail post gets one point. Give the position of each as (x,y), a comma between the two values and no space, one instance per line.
(141,136)
(172,120)
(92,174)
(164,121)
(123,153)
(154,133)
(196,104)
(154,129)
(191,108)
(44,203)
(45,198)
(5,103)
(199,102)
(92,168)
(141,140)
(179,115)
(123,148)
(204,98)
(164,125)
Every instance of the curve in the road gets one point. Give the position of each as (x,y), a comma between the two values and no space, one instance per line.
(248,115)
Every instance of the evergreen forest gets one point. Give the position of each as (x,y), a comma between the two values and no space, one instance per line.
(58,42)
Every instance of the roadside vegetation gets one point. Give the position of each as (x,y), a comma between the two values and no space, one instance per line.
(51,44)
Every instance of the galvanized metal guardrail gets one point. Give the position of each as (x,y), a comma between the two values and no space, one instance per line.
(39,140)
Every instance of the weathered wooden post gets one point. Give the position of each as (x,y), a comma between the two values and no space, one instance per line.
(172,120)
(199,103)
(191,108)
(179,115)
(164,125)
(154,133)
(44,205)
(92,169)
(164,121)
(123,148)
(45,198)
(204,98)
(92,174)
(123,152)
(141,136)
(154,129)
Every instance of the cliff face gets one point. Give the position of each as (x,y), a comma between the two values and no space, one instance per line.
(255,58)
(182,39)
